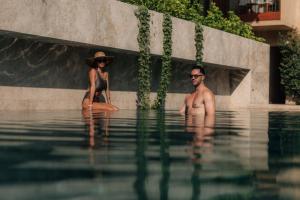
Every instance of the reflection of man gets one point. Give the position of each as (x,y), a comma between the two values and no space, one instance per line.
(202,128)
(202,99)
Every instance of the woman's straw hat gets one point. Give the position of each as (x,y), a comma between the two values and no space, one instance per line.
(99,56)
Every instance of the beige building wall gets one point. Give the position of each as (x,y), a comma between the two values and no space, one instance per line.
(290,13)
(289,17)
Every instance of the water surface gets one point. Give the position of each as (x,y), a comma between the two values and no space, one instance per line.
(149,155)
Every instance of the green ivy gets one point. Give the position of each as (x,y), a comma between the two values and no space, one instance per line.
(184,9)
(199,43)
(144,73)
(214,18)
(144,59)
(290,65)
(166,63)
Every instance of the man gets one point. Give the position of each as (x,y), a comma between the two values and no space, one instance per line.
(202,99)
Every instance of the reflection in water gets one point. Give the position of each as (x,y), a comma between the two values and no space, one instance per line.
(149,155)
(164,155)
(141,160)
(97,121)
(98,129)
(284,154)
(202,128)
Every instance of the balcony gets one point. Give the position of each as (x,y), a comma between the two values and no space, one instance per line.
(259,10)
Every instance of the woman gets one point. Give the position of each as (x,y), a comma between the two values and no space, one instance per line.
(98,81)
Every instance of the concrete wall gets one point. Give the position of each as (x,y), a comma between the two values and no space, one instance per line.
(38,75)
(44,45)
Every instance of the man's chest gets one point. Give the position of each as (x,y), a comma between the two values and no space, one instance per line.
(195,101)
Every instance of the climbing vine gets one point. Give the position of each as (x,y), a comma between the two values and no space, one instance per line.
(144,73)
(166,63)
(199,43)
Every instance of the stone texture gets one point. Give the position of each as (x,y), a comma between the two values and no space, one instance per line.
(26,98)
(68,99)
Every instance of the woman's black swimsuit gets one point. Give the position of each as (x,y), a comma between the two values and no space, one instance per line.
(100,84)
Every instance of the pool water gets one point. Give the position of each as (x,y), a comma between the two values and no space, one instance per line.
(249,154)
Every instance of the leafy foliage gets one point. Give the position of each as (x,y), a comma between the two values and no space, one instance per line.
(290,65)
(144,73)
(199,44)
(184,9)
(214,18)
(231,24)
(193,11)
(166,63)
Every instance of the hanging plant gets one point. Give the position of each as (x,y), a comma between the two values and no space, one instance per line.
(199,43)
(166,63)
(144,73)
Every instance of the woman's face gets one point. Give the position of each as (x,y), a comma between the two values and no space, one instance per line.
(101,64)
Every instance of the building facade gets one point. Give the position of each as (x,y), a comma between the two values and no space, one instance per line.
(269,19)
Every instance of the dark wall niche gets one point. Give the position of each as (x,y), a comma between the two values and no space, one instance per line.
(35,63)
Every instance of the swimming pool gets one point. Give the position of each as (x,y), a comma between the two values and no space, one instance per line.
(149,155)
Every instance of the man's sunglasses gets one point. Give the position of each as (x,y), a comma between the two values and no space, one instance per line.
(195,76)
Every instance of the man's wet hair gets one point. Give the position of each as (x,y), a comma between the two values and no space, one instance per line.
(201,69)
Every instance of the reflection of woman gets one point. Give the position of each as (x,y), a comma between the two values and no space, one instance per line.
(98,81)
(99,120)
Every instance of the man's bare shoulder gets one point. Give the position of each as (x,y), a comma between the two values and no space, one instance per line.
(207,93)
(188,96)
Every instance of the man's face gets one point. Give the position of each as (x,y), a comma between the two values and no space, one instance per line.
(196,77)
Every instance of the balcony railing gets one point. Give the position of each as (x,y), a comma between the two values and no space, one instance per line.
(259,10)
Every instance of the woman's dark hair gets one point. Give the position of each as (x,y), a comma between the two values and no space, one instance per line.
(91,63)
(201,69)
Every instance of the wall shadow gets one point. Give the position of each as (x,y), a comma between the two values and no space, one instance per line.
(276,91)
(235,77)
(31,62)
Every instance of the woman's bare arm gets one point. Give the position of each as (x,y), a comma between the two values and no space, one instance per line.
(92,77)
(107,91)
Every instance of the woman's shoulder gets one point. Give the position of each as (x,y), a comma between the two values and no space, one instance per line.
(92,70)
